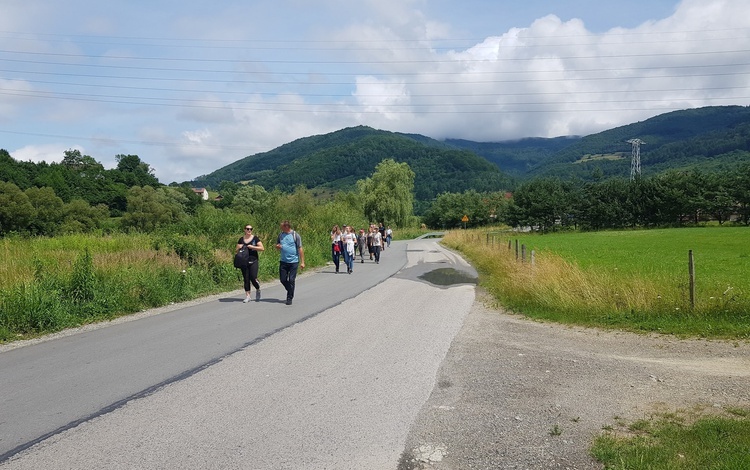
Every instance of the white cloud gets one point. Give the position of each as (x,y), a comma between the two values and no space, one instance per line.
(50,153)
(254,76)
(387,98)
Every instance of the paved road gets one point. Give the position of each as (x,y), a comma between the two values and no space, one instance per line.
(231,385)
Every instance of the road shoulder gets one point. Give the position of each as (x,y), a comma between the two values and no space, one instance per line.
(514,393)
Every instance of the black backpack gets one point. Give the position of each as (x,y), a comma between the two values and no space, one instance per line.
(242,258)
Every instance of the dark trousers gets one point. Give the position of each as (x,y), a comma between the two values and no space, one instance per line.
(336,255)
(376,250)
(287,275)
(250,276)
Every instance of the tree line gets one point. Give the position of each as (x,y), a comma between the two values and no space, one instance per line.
(671,198)
(78,195)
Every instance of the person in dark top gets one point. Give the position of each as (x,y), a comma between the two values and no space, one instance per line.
(250,272)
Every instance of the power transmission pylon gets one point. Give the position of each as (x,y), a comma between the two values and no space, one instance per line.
(635,162)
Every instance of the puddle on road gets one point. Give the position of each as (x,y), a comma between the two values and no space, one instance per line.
(448,277)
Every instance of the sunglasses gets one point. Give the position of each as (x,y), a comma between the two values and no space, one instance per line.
(248,228)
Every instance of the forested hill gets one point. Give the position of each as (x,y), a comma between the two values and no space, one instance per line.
(517,157)
(709,139)
(337,160)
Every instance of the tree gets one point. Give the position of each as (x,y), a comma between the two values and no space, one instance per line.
(83,165)
(481,208)
(739,184)
(719,201)
(79,216)
(250,199)
(150,208)
(48,210)
(605,204)
(133,172)
(388,196)
(16,212)
(59,178)
(13,171)
(542,203)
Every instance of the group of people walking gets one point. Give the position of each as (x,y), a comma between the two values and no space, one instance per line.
(346,242)
(291,259)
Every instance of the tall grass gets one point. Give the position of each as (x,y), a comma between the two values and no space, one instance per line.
(51,283)
(600,279)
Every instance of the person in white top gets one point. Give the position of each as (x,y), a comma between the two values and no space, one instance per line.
(348,239)
(388,236)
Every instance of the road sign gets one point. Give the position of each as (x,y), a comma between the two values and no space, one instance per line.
(465,218)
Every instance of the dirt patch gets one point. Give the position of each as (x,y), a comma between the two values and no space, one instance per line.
(519,394)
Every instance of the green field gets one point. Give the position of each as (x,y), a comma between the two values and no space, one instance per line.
(637,280)
(721,255)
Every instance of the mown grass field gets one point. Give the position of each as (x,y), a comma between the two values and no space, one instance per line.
(635,280)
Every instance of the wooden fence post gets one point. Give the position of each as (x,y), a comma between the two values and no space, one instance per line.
(532,257)
(516,250)
(691,272)
(523,253)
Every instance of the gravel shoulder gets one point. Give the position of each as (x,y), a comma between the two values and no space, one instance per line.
(508,385)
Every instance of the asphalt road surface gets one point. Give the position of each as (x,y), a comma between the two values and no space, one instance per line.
(333,381)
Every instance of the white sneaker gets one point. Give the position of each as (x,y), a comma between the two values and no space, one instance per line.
(247,299)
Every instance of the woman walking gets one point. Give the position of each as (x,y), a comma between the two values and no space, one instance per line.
(250,272)
(336,246)
(377,244)
(362,244)
(348,239)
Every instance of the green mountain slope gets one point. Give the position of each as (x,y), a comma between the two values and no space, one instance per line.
(337,160)
(706,138)
(517,157)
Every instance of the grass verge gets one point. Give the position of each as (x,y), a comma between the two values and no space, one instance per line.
(681,440)
(634,280)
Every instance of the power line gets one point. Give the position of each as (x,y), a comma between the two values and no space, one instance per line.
(342,108)
(346,62)
(349,95)
(431,82)
(298,42)
(125,141)
(355,74)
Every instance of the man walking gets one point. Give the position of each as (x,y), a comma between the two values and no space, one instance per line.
(292,256)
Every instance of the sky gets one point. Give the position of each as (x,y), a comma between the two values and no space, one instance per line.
(190,86)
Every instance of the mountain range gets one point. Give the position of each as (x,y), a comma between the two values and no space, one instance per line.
(708,138)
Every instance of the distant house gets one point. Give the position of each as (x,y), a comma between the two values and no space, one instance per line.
(202,192)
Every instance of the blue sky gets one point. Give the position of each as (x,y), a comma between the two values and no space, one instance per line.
(191,86)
